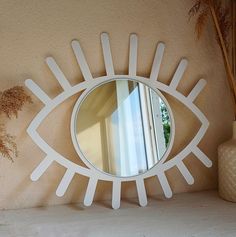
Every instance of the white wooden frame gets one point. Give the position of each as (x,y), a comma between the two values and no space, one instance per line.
(96,83)
(89,83)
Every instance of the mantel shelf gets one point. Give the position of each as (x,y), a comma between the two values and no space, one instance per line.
(200,214)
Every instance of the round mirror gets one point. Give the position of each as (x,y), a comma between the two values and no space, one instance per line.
(122,127)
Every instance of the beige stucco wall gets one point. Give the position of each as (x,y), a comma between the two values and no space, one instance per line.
(32,30)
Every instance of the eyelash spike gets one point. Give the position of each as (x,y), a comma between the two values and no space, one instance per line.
(59,75)
(79,55)
(185,172)
(165,184)
(196,90)
(179,73)
(142,195)
(41,168)
(107,54)
(116,194)
(37,91)
(157,62)
(90,192)
(202,157)
(133,55)
(65,182)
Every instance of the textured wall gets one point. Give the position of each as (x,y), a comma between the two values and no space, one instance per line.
(32,30)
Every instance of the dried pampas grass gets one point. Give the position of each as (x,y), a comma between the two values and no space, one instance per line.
(202,9)
(11,102)
(8,148)
(220,15)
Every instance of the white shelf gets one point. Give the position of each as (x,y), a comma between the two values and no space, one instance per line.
(201,214)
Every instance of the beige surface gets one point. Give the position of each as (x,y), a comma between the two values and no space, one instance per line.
(32,30)
(187,215)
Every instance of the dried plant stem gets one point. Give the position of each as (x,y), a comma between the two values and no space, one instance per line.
(230,76)
(233,20)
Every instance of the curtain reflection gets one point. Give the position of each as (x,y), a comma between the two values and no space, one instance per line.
(120,128)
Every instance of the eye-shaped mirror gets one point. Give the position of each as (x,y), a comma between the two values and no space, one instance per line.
(123,127)
(124,130)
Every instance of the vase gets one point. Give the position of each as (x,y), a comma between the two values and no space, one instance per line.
(227,168)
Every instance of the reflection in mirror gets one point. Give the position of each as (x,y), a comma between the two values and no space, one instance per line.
(123,127)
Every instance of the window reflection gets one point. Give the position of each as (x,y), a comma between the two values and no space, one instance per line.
(123,127)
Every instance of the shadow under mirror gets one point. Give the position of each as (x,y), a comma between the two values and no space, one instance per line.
(123,127)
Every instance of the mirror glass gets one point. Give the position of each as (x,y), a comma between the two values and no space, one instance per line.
(123,127)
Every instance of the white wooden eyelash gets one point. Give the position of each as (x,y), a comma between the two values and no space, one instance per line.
(89,82)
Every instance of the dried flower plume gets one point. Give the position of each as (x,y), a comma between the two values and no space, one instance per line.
(202,9)
(8,147)
(11,102)
(220,16)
